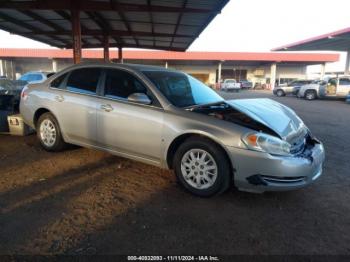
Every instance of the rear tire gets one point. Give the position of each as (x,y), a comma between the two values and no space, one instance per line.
(49,133)
(310,95)
(202,167)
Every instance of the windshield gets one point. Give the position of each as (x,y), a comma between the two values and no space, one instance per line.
(182,90)
(31,77)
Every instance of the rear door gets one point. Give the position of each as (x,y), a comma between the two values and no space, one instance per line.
(75,104)
(128,127)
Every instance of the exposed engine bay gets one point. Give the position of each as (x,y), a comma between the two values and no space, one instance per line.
(225,112)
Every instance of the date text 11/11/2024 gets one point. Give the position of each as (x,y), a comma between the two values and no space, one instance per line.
(173,258)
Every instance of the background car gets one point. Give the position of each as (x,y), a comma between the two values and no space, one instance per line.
(311,89)
(230,85)
(333,88)
(14,87)
(246,84)
(290,88)
(35,77)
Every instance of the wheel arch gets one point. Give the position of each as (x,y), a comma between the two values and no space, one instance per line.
(177,141)
(39,112)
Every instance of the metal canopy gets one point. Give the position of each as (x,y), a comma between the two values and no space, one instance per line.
(335,41)
(155,24)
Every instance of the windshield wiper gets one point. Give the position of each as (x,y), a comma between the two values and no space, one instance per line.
(193,107)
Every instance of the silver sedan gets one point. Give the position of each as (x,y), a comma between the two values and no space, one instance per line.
(169,119)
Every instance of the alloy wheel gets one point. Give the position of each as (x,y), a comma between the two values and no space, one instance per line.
(199,169)
(48,133)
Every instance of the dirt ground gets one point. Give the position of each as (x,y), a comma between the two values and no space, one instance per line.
(83,201)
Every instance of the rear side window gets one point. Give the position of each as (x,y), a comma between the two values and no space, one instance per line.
(58,82)
(84,80)
(344,81)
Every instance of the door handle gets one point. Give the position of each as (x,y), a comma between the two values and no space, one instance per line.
(59,98)
(107,107)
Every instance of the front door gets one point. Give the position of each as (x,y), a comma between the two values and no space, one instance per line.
(127,127)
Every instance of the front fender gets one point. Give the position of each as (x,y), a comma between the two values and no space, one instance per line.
(221,132)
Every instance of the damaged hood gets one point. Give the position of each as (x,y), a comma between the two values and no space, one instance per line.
(281,119)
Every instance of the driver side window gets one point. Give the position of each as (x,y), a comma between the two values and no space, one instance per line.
(120,84)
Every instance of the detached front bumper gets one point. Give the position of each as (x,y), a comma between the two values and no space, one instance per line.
(259,171)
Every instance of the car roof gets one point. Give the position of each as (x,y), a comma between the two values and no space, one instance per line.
(135,67)
(38,72)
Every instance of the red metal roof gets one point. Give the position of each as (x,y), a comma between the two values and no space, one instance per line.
(336,41)
(168,55)
(161,25)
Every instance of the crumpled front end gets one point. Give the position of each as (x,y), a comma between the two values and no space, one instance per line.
(259,171)
(279,153)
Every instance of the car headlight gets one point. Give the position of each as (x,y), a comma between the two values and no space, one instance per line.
(266,143)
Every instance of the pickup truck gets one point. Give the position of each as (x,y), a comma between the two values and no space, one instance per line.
(333,88)
(230,85)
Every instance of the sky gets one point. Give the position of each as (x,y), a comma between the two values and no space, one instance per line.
(254,25)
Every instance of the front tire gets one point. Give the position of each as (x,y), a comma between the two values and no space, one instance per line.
(280,93)
(49,133)
(202,167)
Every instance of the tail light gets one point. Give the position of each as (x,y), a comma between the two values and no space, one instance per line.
(24,93)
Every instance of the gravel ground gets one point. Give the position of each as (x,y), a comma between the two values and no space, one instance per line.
(83,201)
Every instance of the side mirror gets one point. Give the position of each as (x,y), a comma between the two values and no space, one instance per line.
(140,98)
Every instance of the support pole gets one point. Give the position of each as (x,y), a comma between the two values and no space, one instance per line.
(120,55)
(347,63)
(76,30)
(13,70)
(5,68)
(1,69)
(106,48)
(273,75)
(166,64)
(323,71)
(54,65)
(219,71)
